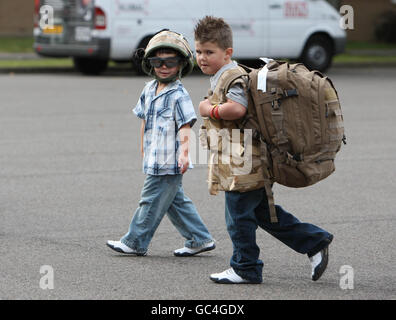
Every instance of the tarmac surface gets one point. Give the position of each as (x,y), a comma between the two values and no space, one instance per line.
(71,179)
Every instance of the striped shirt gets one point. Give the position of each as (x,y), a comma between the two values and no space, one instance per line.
(164,114)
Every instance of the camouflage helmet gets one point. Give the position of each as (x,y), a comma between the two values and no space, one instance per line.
(172,40)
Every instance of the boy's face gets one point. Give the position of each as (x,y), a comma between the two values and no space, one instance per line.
(164,72)
(210,57)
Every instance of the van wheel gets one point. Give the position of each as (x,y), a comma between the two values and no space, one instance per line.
(90,66)
(318,53)
(252,63)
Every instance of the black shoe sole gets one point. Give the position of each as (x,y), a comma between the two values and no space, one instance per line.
(186,254)
(321,268)
(227,281)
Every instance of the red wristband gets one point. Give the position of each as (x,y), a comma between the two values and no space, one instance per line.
(216,113)
(212,115)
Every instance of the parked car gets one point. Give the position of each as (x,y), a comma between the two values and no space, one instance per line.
(94,32)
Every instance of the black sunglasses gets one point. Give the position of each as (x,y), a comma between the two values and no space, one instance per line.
(169,62)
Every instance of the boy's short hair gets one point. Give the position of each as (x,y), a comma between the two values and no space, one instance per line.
(211,29)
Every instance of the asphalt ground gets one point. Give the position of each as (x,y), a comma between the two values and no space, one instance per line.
(71,178)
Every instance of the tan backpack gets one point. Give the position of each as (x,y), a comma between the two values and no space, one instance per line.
(298,117)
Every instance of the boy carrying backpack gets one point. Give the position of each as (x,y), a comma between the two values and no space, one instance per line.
(248,195)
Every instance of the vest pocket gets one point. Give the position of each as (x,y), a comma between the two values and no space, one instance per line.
(203,137)
(244,183)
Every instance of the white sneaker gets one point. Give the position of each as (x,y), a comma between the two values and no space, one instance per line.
(122,248)
(319,263)
(188,252)
(229,277)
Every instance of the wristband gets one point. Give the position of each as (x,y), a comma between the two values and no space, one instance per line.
(212,116)
(216,112)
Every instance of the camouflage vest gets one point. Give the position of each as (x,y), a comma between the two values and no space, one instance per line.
(235,162)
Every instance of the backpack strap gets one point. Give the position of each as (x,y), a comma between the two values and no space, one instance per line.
(268,182)
(226,80)
(233,75)
(271,202)
(278,120)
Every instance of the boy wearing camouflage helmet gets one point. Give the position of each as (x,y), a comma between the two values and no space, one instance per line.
(167,115)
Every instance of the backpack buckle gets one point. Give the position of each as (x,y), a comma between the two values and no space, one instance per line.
(290,93)
(276,104)
(257,135)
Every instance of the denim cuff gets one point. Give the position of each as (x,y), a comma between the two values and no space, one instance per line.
(194,244)
(323,244)
(248,276)
(133,247)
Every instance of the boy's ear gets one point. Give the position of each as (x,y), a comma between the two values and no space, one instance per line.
(229,52)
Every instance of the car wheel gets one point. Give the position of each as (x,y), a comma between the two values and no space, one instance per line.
(90,66)
(318,53)
(252,63)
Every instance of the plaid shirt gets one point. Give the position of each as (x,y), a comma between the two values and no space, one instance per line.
(164,114)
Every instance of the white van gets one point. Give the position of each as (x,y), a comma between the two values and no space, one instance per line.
(96,31)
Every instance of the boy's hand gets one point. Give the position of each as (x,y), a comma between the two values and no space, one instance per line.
(205,107)
(183,163)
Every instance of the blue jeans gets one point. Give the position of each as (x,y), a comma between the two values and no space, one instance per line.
(161,195)
(245,212)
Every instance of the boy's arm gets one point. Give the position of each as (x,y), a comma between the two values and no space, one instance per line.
(183,161)
(230,110)
(141,137)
